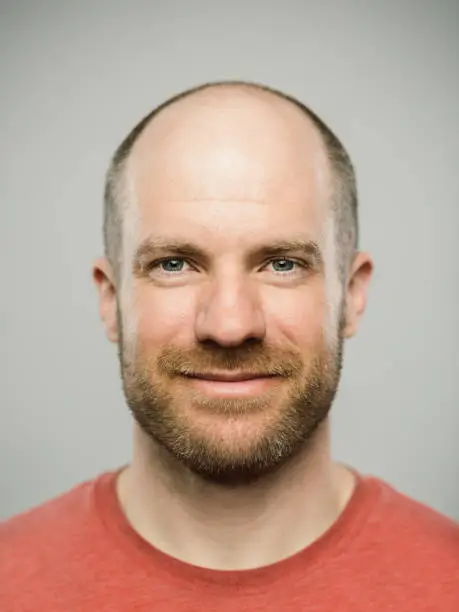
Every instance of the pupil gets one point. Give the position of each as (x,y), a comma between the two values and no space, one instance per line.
(283,264)
(172,264)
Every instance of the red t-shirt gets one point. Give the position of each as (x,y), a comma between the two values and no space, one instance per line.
(78,553)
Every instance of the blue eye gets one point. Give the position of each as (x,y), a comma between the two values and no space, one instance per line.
(172,265)
(283,265)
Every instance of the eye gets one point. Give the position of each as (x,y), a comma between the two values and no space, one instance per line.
(168,265)
(285,266)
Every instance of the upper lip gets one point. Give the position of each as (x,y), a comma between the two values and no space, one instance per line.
(229,376)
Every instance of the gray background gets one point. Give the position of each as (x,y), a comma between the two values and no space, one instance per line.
(76,76)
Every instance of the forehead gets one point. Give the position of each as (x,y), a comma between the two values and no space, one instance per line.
(231,159)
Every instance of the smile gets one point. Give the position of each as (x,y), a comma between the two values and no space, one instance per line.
(232,384)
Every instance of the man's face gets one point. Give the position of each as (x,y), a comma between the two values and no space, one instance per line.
(230,274)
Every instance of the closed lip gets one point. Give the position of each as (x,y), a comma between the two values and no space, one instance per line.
(228,376)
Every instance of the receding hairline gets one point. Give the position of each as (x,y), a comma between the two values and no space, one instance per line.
(226,96)
(338,161)
(123,153)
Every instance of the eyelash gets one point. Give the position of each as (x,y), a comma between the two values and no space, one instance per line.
(155,264)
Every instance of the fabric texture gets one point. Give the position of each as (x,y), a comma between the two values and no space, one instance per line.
(77,551)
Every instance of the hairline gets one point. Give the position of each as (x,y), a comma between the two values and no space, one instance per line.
(116,186)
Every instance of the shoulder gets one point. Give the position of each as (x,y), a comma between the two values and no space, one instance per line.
(414,532)
(415,515)
(40,537)
(43,516)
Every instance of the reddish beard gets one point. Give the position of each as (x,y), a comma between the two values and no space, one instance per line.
(155,391)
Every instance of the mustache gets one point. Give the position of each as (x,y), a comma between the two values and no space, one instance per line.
(252,359)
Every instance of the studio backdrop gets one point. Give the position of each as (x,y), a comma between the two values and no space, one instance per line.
(75,78)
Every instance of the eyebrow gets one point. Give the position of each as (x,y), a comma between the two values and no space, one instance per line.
(152,248)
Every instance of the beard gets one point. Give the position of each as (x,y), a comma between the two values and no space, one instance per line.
(260,434)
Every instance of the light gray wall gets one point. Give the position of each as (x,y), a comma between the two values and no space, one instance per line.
(76,76)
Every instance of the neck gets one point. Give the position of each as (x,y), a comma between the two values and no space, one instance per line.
(218,528)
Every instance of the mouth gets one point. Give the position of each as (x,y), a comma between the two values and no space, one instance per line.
(228,376)
(232,384)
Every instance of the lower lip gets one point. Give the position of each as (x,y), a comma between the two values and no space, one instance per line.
(240,388)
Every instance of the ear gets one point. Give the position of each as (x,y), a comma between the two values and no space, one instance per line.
(104,280)
(357,292)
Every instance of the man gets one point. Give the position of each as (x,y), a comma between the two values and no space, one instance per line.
(231,279)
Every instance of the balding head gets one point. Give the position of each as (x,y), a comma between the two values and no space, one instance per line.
(231,206)
(231,141)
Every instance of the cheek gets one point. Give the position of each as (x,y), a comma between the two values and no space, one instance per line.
(159,317)
(164,315)
(299,316)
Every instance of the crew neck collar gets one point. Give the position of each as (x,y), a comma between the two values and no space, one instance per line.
(339,538)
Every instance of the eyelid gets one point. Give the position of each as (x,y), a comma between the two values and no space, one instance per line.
(154,264)
(157,262)
(287,258)
(300,262)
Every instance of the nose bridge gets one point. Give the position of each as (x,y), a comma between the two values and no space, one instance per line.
(229,311)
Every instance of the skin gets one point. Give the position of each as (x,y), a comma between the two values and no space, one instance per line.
(230,171)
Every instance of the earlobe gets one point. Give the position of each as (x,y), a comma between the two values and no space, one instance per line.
(357,293)
(105,283)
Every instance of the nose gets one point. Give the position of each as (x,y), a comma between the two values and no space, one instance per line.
(229,314)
